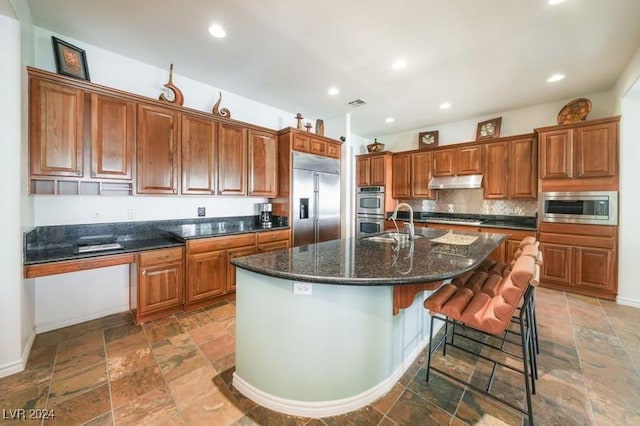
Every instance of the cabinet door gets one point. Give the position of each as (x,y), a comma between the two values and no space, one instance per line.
(363,171)
(333,150)
(198,155)
(273,246)
(469,160)
(206,275)
(595,152)
(401,176)
(157,148)
(232,160)
(594,268)
(56,129)
(300,142)
(263,164)
(231,269)
(443,162)
(523,179)
(112,135)
(160,287)
(555,154)
(496,174)
(377,171)
(557,265)
(317,146)
(421,175)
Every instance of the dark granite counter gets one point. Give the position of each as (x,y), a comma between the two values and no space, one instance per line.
(45,244)
(528,223)
(365,262)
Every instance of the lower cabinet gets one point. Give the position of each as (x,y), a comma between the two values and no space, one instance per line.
(208,274)
(272,241)
(580,258)
(157,283)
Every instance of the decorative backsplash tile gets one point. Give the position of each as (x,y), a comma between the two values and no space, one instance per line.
(472,201)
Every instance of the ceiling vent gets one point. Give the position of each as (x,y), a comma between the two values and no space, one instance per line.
(357,103)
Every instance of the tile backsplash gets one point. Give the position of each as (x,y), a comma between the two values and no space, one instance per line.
(471,201)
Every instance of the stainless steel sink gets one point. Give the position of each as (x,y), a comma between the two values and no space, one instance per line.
(390,237)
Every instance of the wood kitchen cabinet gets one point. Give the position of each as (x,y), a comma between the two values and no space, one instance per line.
(411,174)
(56,129)
(312,144)
(504,253)
(463,160)
(208,268)
(273,240)
(580,156)
(580,258)
(511,168)
(232,159)
(113,124)
(157,283)
(263,164)
(198,146)
(158,154)
(373,169)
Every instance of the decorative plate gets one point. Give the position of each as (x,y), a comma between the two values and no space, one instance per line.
(574,111)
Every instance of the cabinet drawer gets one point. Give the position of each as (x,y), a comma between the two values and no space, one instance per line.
(220,243)
(267,237)
(154,257)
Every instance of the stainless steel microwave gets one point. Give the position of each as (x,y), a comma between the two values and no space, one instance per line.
(590,207)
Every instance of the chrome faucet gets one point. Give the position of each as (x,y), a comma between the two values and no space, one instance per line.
(410,227)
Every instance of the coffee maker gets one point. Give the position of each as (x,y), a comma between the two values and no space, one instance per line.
(266,216)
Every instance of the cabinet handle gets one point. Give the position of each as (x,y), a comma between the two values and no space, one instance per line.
(143,272)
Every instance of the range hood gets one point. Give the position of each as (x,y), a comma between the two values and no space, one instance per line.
(456,182)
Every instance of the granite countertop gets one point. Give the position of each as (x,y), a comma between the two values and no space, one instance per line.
(528,223)
(45,244)
(354,261)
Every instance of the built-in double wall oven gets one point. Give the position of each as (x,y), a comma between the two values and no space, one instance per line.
(370,210)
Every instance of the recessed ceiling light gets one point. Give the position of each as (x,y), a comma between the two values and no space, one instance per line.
(445,105)
(333,91)
(554,2)
(399,64)
(217,31)
(555,77)
(389,120)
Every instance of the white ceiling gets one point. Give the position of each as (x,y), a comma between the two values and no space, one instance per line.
(482,56)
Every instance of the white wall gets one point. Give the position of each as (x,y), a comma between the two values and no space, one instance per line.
(11,296)
(514,122)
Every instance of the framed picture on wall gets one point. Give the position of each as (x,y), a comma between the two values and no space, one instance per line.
(70,60)
(428,140)
(489,129)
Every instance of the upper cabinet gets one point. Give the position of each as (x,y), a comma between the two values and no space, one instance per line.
(263,164)
(113,124)
(464,160)
(411,174)
(56,129)
(373,169)
(314,144)
(232,159)
(582,155)
(158,150)
(510,170)
(198,155)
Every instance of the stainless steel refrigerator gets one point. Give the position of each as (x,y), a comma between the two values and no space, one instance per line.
(316,199)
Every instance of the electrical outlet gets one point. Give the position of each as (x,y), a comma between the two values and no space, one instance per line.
(202,211)
(131,214)
(304,289)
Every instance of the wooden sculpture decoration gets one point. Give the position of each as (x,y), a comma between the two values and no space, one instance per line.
(222,112)
(178,98)
(308,126)
(299,117)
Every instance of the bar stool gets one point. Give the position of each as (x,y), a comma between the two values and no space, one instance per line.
(491,316)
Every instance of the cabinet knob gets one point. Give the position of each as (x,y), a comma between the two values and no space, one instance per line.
(143,272)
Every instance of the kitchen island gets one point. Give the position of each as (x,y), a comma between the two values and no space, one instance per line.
(316,335)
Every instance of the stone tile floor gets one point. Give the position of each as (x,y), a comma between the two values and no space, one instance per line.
(178,371)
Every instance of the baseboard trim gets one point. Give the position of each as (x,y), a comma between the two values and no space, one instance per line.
(337,407)
(19,365)
(628,302)
(54,325)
